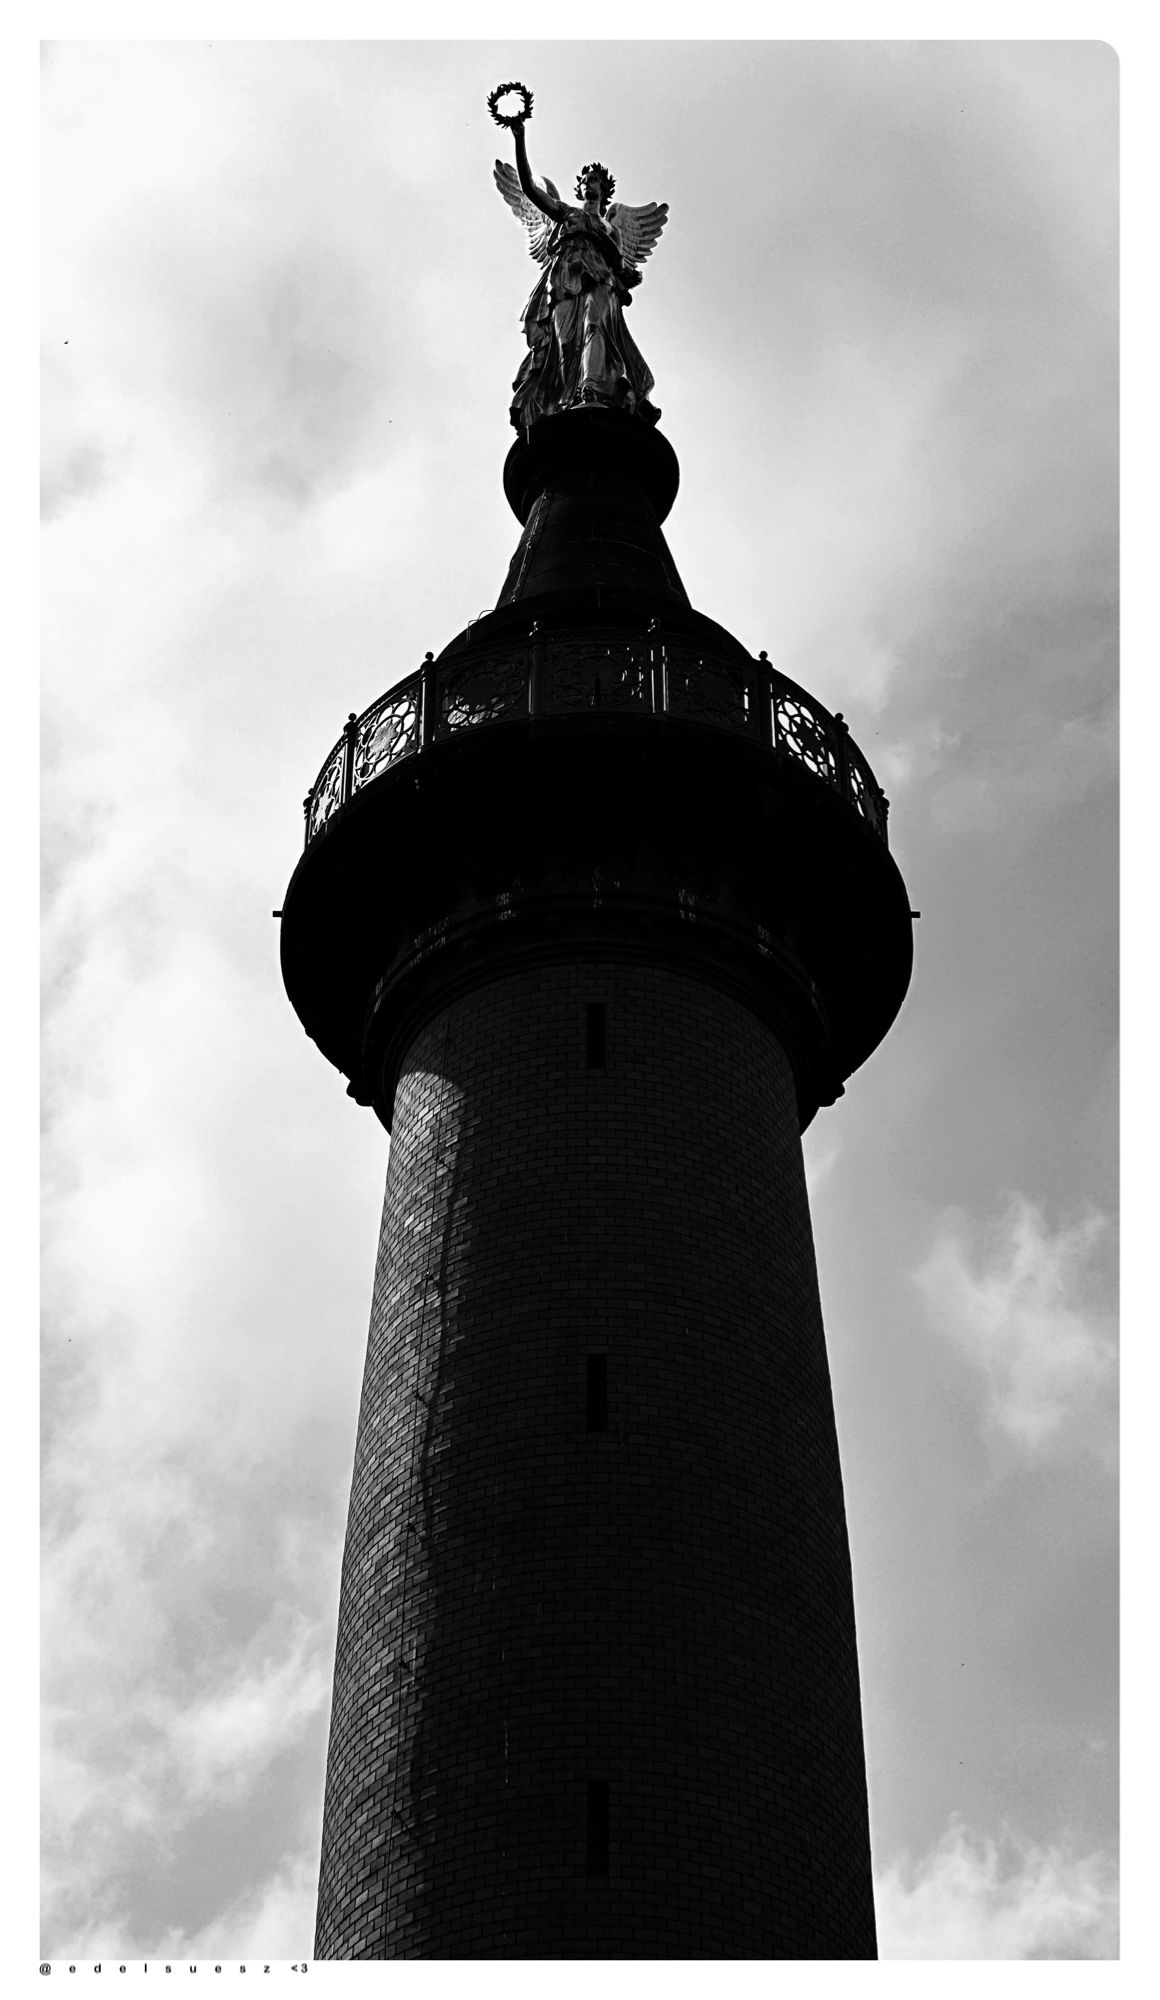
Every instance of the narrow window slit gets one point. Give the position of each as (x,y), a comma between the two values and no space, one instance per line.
(596,1844)
(597,1027)
(597,1396)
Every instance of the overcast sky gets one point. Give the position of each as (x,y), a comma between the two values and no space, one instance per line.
(282,305)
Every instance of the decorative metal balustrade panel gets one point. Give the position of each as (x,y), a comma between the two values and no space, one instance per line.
(327,794)
(801,733)
(389,730)
(712,691)
(491,689)
(865,796)
(597,673)
(633,673)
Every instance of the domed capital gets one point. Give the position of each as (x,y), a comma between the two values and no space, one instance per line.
(597,442)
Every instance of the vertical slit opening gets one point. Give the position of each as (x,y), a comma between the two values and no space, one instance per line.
(597,1393)
(596,1842)
(596,1025)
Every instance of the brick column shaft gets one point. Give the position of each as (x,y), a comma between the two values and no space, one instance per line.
(596,1692)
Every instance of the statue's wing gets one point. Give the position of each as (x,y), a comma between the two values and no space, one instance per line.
(537,224)
(638,228)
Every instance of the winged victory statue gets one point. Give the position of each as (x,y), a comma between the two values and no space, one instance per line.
(579,349)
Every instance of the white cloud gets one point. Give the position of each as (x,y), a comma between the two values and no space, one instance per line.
(1065,761)
(820,1155)
(918,755)
(1015,1304)
(128,1771)
(973,1897)
(223,1741)
(273,1921)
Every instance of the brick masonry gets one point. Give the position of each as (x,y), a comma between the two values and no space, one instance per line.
(532,1609)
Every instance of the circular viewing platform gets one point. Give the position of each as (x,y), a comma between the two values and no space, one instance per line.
(605,672)
(550,789)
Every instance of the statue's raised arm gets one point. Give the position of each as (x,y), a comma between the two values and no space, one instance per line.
(579,350)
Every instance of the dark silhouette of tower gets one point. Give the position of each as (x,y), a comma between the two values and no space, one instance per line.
(596,911)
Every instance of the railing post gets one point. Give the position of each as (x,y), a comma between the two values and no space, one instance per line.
(307,802)
(843,733)
(351,734)
(656,667)
(766,722)
(536,671)
(427,703)
(885,803)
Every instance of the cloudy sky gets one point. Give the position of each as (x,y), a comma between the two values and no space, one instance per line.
(281,318)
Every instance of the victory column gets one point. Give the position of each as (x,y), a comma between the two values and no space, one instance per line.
(595,911)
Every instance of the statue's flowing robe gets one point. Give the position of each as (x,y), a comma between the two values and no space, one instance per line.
(579,348)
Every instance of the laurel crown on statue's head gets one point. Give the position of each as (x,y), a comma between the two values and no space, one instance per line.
(607,184)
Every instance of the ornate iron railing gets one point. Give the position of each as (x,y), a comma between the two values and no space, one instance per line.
(626,673)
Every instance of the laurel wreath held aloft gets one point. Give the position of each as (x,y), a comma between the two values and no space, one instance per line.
(509,122)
